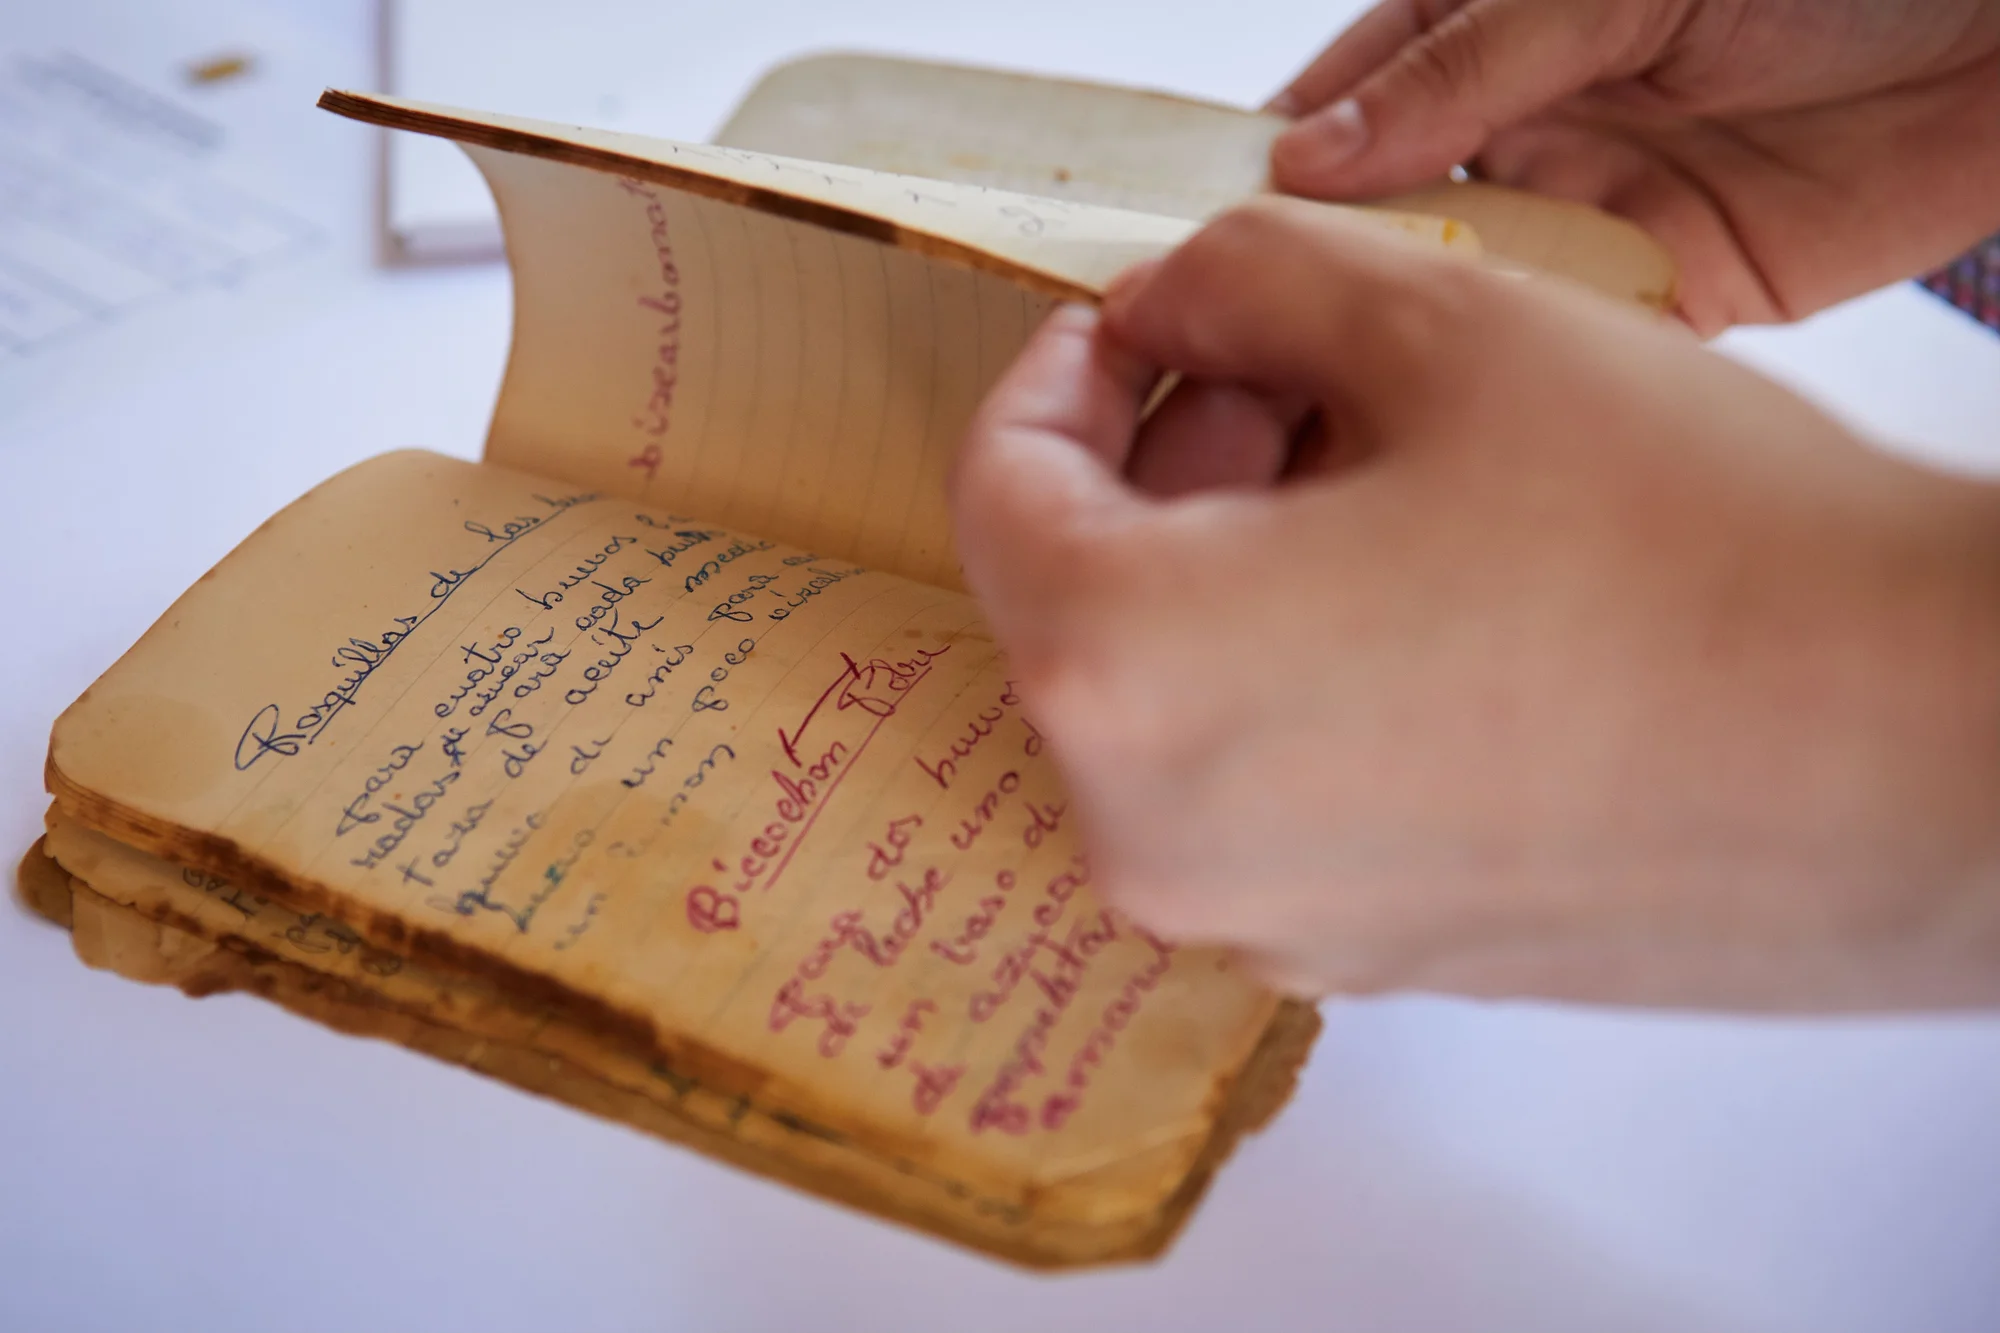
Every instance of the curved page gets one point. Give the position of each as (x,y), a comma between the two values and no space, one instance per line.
(787,346)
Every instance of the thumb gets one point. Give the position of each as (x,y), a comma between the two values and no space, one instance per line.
(1037,482)
(1432,104)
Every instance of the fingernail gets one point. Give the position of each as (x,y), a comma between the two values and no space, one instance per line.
(1079,314)
(1324,142)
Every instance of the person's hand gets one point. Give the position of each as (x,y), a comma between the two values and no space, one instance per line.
(1790,153)
(1597,667)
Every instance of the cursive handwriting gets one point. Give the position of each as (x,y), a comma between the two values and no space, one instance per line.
(622,638)
(361,658)
(881,860)
(945,768)
(964,947)
(664,303)
(355,813)
(585,570)
(1058,979)
(480,899)
(821,580)
(1117,1015)
(688,539)
(1014,965)
(404,816)
(731,553)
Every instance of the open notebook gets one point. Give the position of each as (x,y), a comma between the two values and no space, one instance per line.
(657,763)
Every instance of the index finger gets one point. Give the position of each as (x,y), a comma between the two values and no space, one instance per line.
(1038,476)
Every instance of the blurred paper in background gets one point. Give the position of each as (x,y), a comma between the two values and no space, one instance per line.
(166,188)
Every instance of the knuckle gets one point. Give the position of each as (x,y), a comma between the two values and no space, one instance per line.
(1081,696)
(1422,317)
(1247,238)
(1252,228)
(1429,13)
(1304,241)
(1418,317)
(1284,970)
(1451,58)
(1251,266)
(1095,705)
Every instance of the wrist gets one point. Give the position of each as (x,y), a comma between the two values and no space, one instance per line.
(1929,924)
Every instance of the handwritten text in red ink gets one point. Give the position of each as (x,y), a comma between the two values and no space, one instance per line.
(1117,1016)
(984,810)
(964,947)
(876,687)
(887,854)
(1058,975)
(859,694)
(1012,968)
(944,769)
(664,304)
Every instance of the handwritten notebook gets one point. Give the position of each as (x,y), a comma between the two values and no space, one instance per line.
(658,763)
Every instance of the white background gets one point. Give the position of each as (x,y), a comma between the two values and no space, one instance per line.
(166,1163)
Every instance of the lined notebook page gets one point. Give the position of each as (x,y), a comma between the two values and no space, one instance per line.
(788,346)
(771,821)
(1133,149)
(791,380)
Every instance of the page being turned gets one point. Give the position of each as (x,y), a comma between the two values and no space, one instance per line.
(789,346)
(791,379)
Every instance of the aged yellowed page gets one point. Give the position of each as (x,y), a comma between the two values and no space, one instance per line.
(1132,149)
(1061,138)
(770,821)
(786,346)
(791,379)
(42,887)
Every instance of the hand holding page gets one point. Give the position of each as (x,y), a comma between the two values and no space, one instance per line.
(657,763)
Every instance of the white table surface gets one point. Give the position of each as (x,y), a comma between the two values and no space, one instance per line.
(168,1163)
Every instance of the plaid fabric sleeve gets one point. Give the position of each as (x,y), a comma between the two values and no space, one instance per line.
(1972,282)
